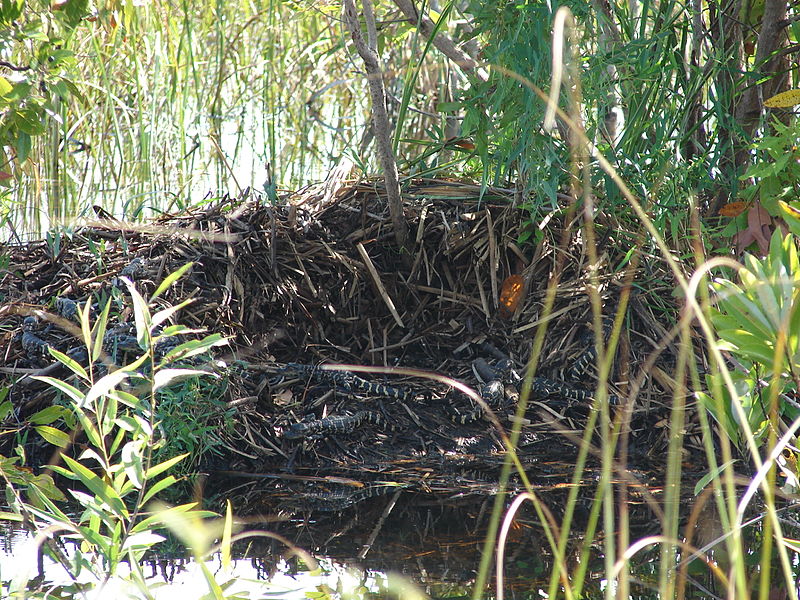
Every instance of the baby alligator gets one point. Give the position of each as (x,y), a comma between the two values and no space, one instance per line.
(493,392)
(337,500)
(333,425)
(350,383)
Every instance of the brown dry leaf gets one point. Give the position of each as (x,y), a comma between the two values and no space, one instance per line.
(283,397)
(759,222)
(760,226)
(734,209)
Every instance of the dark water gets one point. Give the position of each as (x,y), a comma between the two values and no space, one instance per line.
(425,543)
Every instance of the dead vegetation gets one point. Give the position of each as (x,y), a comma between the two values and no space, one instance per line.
(320,279)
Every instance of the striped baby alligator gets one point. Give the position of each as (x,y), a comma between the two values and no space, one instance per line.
(339,424)
(502,374)
(337,500)
(350,383)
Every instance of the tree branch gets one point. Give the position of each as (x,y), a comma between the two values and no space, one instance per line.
(380,117)
(445,45)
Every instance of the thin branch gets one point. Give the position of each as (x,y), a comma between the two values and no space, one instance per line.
(445,45)
(380,117)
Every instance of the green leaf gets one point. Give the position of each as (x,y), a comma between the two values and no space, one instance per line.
(5,87)
(103,387)
(23,146)
(89,428)
(97,486)
(53,436)
(68,362)
(710,476)
(166,313)
(10,10)
(448,106)
(45,484)
(163,516)
(166,376)
(194,347)
(160,485)
(132,463)
(118,439)
(791,214)
(141,314)
(6,408)
(156,470)
(75,394)
(171,279)
(30,120)
(47,415)
(98,331)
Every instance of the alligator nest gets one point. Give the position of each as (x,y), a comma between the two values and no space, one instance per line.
(320,279)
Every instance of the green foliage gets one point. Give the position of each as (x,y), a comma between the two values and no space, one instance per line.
(503,115)
(758,322)
(117,475)
(194,420)
(776,173)
(32,40)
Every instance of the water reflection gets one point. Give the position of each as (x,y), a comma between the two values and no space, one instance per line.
(432,545)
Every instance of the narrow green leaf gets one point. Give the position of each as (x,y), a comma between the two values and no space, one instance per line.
(48,415)
(166,313)
(68,362)
(156,470)
(216,591)
(23,146)
(62,386)
(132,463)
(163,516)
(99,330)
(89,428)
(45,484)
(97,486)
(708,477)
(166,376)
(5,87)
(141,315)
(118,439)
(103,387)
(170,279)
(85,313)
(194,347)
(160,485)
(53,436)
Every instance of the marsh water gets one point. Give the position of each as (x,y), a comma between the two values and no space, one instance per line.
(376,549)
(432,546)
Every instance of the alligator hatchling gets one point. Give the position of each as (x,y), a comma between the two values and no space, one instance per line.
(500,382)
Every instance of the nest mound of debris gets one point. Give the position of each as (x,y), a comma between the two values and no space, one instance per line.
(320,279)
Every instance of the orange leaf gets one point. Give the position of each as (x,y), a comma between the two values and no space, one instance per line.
(511,295)
(733,209)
